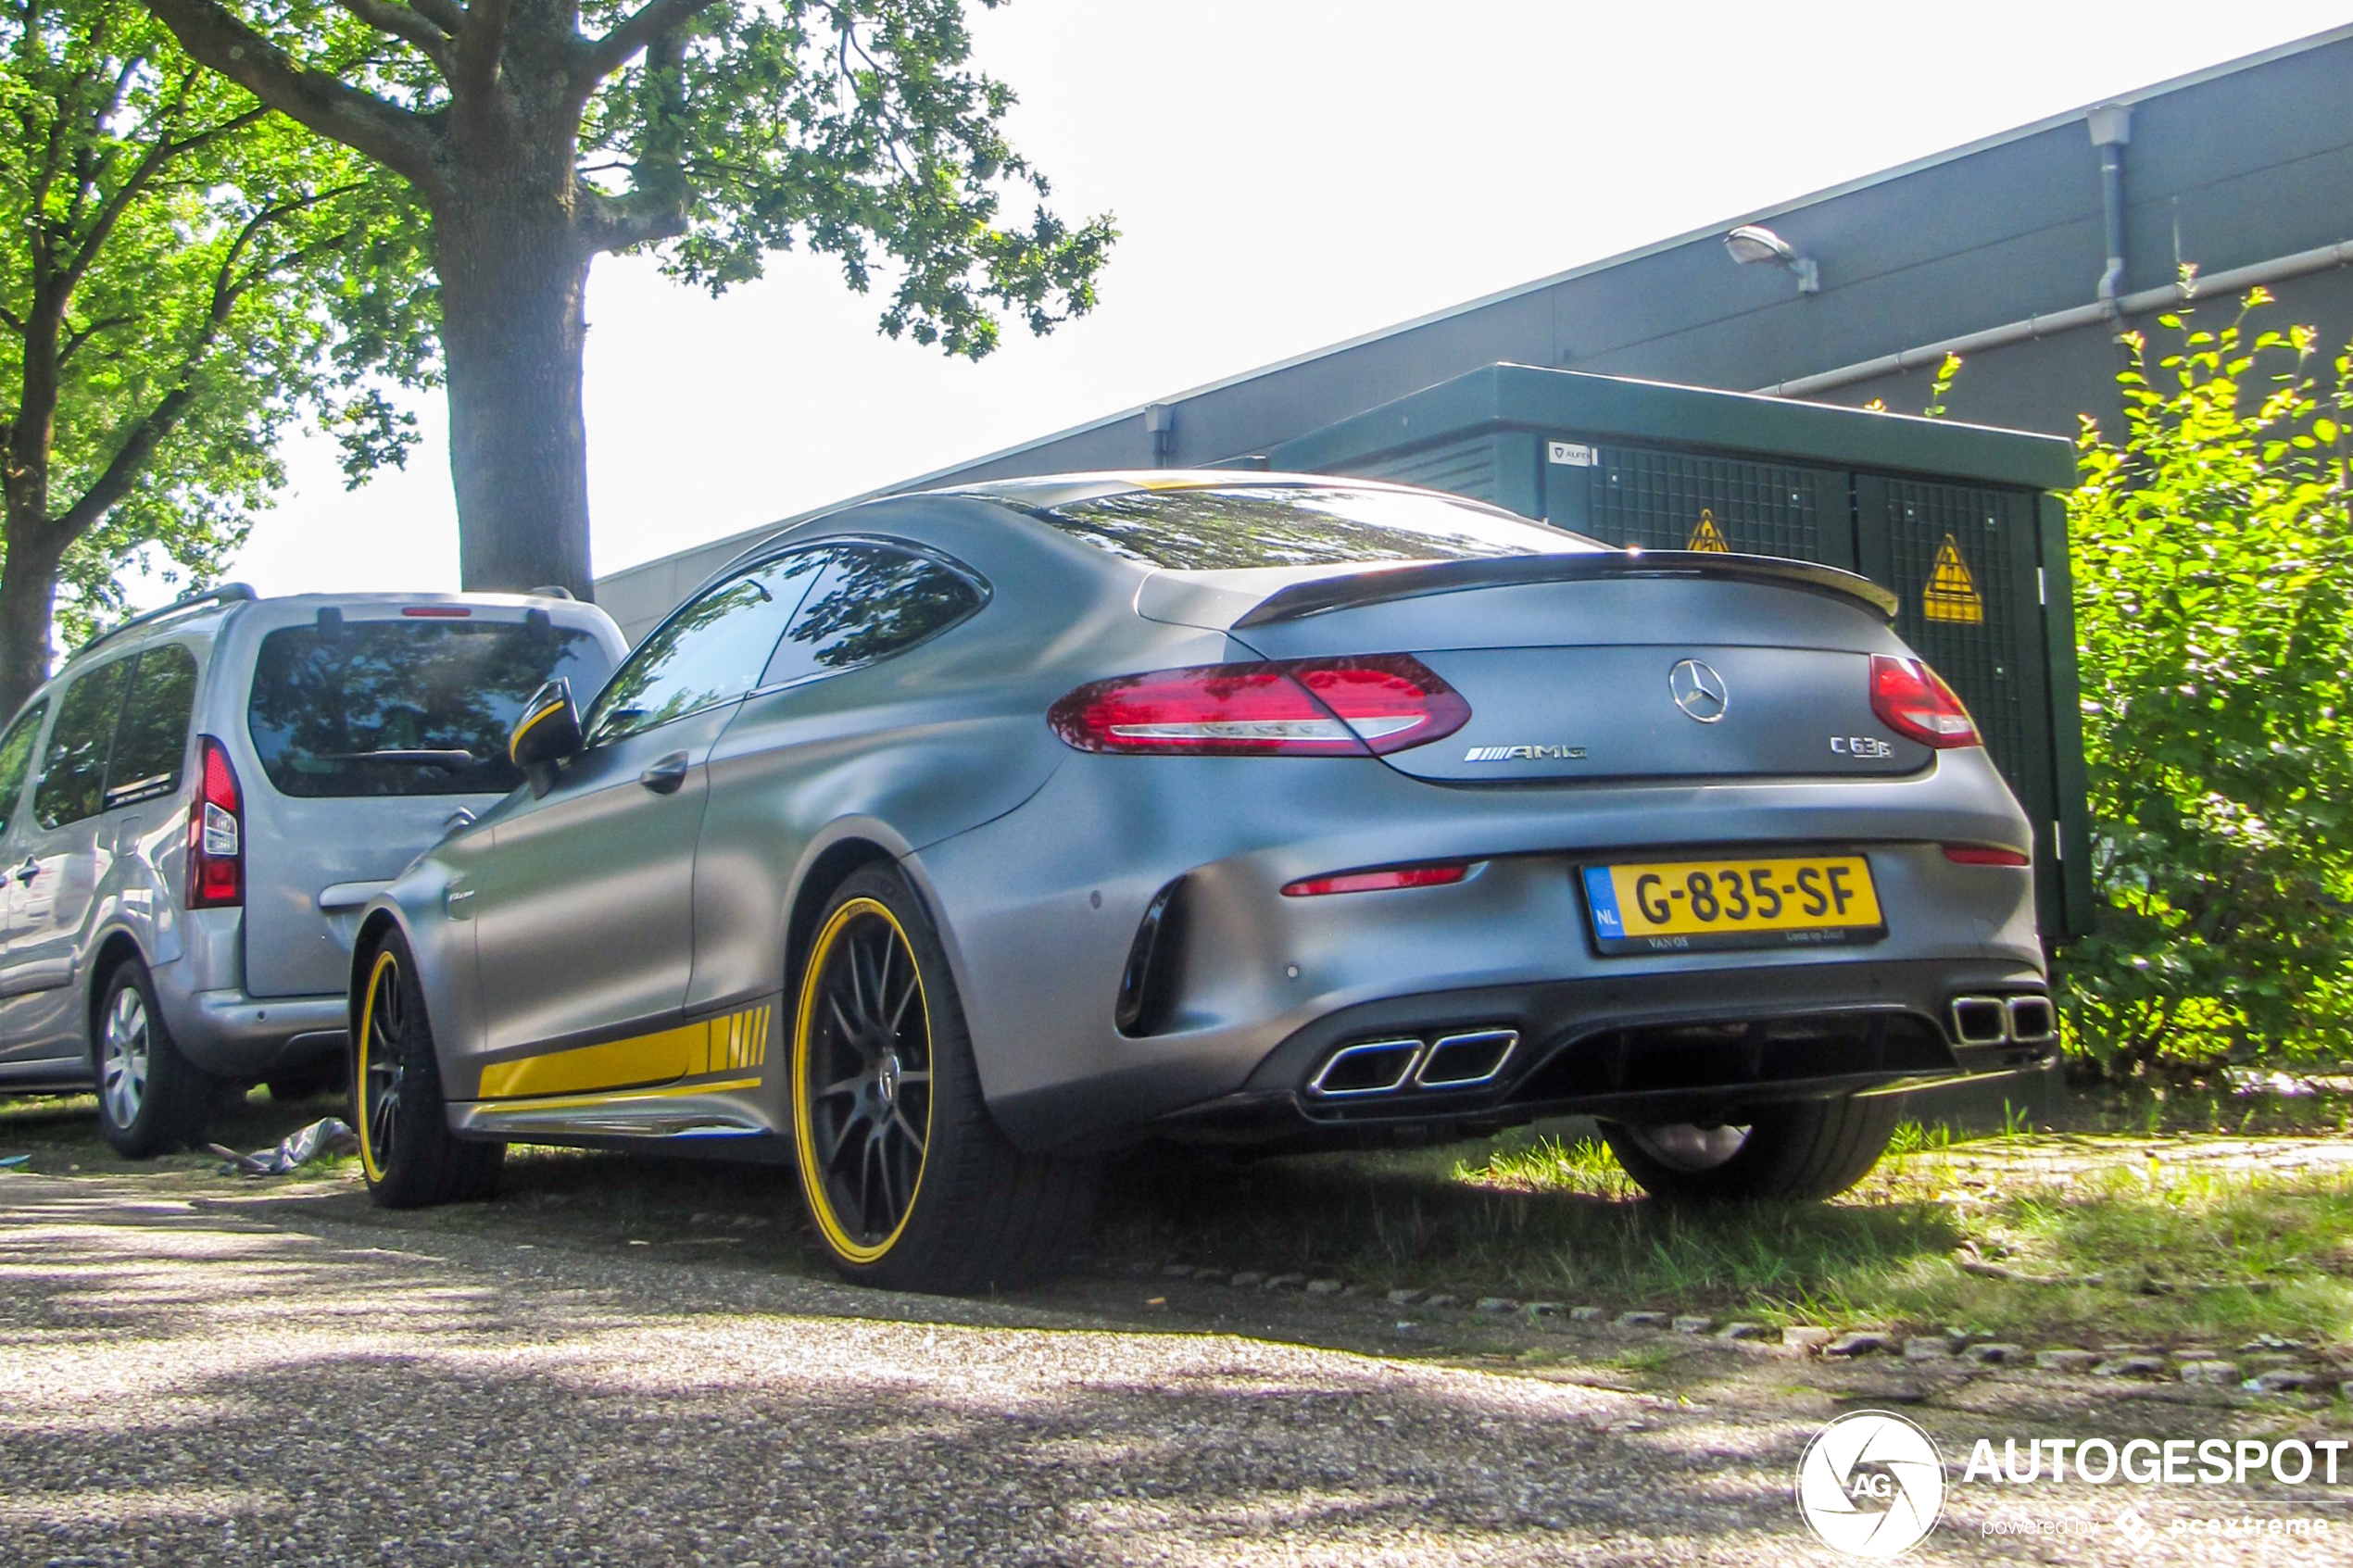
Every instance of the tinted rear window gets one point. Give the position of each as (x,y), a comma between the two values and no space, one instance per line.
(405,707)
(153,738)
(1198,530)
(73,774)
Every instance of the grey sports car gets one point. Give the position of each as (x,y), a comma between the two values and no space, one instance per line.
(943,842)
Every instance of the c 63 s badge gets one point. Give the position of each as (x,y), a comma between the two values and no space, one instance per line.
(1863,747)
(1524,754)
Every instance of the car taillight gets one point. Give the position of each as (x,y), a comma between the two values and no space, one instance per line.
(1293,708)
(1375,882)
(215,834)
(1914,701)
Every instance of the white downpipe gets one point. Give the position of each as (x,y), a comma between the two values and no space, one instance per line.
(2167,297)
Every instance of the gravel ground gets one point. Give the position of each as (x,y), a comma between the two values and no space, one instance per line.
(278,1380)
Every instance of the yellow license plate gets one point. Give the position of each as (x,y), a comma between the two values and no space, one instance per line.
(1676,906)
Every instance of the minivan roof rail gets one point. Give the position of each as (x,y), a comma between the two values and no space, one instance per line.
(228,592)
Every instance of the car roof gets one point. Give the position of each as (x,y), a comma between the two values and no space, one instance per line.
(1062,489)
(204,610)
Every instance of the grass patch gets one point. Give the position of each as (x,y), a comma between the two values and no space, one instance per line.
(2106,1237)
(2081,1238)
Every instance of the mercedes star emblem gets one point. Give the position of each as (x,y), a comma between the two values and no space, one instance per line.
(1699,691)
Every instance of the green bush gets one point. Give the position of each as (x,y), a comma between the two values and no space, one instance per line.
(2212,576)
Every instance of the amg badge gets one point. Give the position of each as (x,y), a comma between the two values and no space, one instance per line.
(1524,754)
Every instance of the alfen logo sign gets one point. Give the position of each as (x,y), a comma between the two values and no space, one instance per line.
(1870,1484)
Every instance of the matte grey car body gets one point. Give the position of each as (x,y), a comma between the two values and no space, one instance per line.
(246,990)
(665,884)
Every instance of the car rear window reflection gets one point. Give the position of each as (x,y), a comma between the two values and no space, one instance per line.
(1221,530)
(405,707)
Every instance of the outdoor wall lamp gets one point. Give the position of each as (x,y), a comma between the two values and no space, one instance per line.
(1754,242)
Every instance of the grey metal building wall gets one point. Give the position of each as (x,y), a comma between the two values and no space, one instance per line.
(2239,165)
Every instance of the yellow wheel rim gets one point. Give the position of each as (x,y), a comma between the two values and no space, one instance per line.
(861,1080)
(378,1070)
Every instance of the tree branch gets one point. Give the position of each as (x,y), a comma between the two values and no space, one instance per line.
(480,42)
(447,15)
(617,225)
(406,24)
(150,164)
(628,37)
(76,339)
(130,458)
(391,136)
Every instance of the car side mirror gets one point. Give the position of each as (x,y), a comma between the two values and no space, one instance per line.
(546,733)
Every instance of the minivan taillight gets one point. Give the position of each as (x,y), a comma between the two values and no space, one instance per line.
(216,833)
(1293,708)
(1914,701)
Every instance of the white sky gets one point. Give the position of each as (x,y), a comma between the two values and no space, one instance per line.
(1285,176)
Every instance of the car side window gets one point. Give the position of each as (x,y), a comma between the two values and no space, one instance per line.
(153,742)
(73,771)
(710,651)
(16,759)
(873,601)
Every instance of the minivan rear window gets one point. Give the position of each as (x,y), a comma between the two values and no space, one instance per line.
(409,706)
(1204,529)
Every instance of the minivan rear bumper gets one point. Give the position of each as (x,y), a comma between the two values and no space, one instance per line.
(230,1033)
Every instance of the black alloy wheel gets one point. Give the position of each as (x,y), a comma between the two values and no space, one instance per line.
(870,1072)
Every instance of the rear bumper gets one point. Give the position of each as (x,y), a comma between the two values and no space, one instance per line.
(233,1035)
(1645,1048)
(1040,910)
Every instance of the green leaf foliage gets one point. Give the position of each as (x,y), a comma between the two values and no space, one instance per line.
(859,131)
(718,131)
(181,273)
(542,133)
(2214,586)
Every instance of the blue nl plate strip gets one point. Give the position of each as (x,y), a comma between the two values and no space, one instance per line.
(1600,895)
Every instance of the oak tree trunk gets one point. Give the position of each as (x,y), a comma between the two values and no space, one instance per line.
(27,597)
(514,271)
(29,578)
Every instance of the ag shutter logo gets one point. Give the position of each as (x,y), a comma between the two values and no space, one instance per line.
(1872,1485)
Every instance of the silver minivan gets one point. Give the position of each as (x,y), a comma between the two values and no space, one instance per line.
(194,809)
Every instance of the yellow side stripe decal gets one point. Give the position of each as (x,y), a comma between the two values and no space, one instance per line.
(726,1044)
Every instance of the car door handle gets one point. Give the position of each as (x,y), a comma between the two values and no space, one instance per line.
(666,774)
(26,872)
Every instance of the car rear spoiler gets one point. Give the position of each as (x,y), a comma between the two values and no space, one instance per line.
(1375,584)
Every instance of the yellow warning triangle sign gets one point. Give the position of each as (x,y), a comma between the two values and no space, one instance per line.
(1706,536)
(1951,594)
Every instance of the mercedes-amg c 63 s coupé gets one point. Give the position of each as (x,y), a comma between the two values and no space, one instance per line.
(943,842)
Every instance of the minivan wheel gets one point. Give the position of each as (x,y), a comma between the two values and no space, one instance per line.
(151,1098)
(407,1152)
(908,1183)
(1806,1151)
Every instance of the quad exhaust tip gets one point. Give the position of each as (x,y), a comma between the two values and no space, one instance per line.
(1991,1020)
(1980,1020)
(1463,1060)
(2033,1021)
(1376,1067)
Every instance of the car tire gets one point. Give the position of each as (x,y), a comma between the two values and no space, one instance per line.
(152,1099)
(407,1152)
(1802,1151)
(908,1183)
